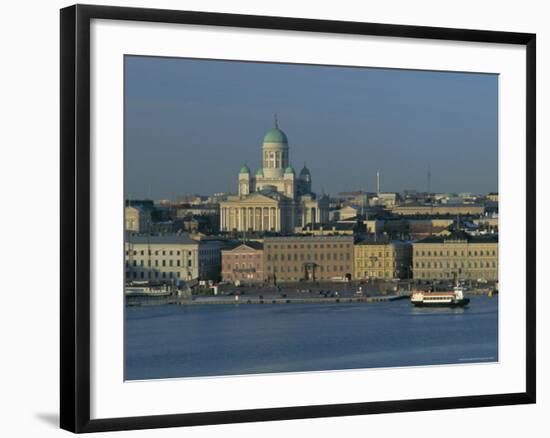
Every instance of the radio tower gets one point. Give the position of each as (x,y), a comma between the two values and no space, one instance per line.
(429,180)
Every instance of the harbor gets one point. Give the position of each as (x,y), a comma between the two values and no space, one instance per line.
(169,341)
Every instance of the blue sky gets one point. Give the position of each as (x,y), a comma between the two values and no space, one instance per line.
(190,125)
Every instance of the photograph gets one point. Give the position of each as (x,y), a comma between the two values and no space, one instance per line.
(300,218)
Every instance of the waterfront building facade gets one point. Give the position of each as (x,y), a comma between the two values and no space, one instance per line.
(470,257)
(274,199)
(169,258)
(382,260)
(244,263)
(309,258)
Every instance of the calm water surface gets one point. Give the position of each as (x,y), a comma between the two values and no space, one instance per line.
(213,340)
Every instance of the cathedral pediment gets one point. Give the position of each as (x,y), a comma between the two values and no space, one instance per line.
(256,197)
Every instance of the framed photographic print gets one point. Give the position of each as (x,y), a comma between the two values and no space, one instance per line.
(270,218)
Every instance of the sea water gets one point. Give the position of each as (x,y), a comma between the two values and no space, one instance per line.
(216,340)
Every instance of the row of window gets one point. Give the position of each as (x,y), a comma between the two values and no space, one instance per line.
(309,256)
(157,263)
(368,254)
(380,264)
(157,252)
(455,253)
(380,274)
(431,275)
(155,274)
(456,265)
(319,268)
(242,256)
(308,245)
(241,266)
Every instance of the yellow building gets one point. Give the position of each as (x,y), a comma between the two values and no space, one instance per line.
(470,257)
(385,260)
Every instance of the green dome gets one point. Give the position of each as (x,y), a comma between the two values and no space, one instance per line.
(260,172)
(289,169)
(305,171)
(275,135)
(244,169)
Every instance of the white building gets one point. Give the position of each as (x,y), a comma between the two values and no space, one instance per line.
(168,258)
(273,199)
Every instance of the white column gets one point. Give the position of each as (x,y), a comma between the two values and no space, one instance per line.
(254,218)
(262,219)
(278,219)
(221,219)
(270,218)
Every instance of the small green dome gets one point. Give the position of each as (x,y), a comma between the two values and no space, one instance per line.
(305,171)
(244,169)
(260,172)
(289,169)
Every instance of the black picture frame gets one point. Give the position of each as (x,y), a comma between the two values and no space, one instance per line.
(75,217)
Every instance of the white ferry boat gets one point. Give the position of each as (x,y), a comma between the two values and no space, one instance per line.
(454,298)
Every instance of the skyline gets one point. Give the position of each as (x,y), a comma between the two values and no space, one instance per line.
(191,124)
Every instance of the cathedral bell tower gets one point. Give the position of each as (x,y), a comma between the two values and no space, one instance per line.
(245,181)
(275,152)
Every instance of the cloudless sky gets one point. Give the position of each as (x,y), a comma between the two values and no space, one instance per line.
(191,124)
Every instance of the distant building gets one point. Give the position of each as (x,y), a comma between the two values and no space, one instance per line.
(243,263)
(493,196)
(344,213)
(488,223)
(385,199)
(470,257)
(374,226)
(386,260)
(331,229)
(168,258)
(184,210)
(308,258)
(137,219)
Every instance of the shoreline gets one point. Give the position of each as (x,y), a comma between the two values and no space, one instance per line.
(151,300)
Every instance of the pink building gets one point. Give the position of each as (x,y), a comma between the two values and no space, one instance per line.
(244,263)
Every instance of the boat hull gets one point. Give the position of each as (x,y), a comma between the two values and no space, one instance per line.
(460,303)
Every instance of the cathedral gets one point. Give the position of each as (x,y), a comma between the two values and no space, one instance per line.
(273,199)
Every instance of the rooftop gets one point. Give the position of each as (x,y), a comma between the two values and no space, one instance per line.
(163,239)
(308,238)
(254,245)
(461,236)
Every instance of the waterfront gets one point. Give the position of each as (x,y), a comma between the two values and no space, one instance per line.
(201,340)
